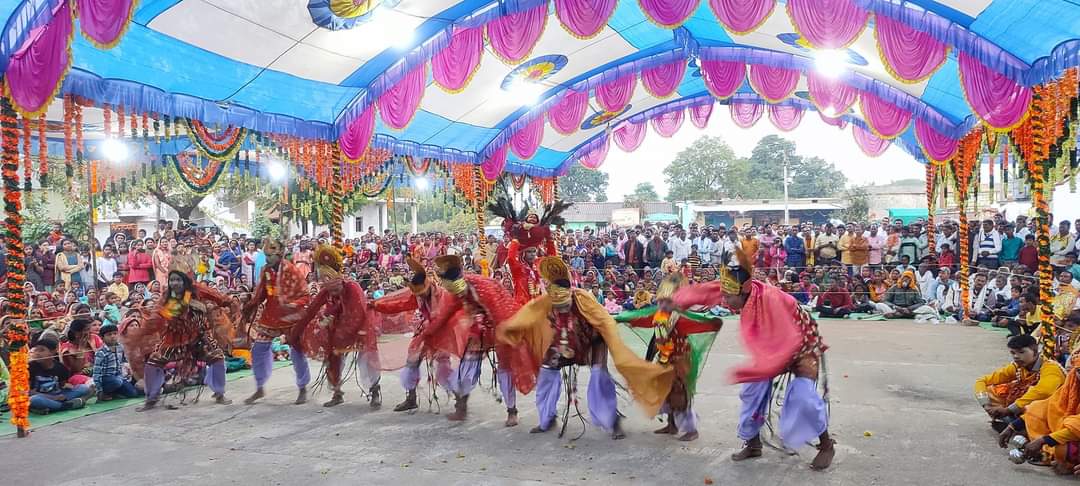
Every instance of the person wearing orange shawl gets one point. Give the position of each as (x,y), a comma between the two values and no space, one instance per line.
(780,337)
(185,329)
(337,322)
(1053,425)
(567,327)
(282,293)
(464,324)
(419,296)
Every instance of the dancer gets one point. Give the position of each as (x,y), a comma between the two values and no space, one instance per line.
(780,337)
(568,327)
(529,234)
(680,342)
(184,330)
(420,296)
(464,326)
(285,294)
(337,322)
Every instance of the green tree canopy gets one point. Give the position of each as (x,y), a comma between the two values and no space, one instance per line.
(707,169)
(643,192)
(583,185)
(809,177)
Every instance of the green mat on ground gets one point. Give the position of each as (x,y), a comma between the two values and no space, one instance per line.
(38,421)
(987,325)
(867,317)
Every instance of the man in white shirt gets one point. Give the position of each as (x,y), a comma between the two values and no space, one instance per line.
(1021,227)
(947,298)
(981,299)
(106,267)
(679,246)
(706,247)
(987,246)
(947,236)
(1061,243)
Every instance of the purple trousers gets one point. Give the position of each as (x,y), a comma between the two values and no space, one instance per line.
(410,374)
(262,364)
(466,377)
(154,379)
(803,418)
(601,399)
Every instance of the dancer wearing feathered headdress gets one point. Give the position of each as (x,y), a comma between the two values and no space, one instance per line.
(567,327)
(423,297)
(529,232)
(337,322)
(780,337)
(284,292)
(679,341)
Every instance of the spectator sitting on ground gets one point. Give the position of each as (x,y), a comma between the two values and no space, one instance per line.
(902,299)
(835,302)
(50,390)
(1004,393)
(112,375)
(1008,310)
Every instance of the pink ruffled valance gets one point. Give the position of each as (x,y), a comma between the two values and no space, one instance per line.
(455,65)
(584,19)
(827,24)
(722,78)
(745,115)
(595,157)
(869,143)
(829,95)
(398,105)
(909,55)
(700,114)
(566,115)
(668,13)
(661,81)
(356,138)
(667,124)
(35,71)
(512,37)
(836,122)
(103,22)
(996,99)
(492,167)
(629,136)
(613,96)
(785,117)
(887,120)
(742,16)
(525,141)
(936,146)
(775,84)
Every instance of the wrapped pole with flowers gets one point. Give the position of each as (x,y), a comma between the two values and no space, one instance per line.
(16,333)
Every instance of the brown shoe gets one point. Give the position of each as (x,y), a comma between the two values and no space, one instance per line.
(148,405)
(408,404)
(301,396)
(221,400)
(511,417)
(750,450)
(255,396)
(335,400)
(461,409)
(825,454)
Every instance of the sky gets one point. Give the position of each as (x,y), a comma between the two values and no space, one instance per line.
(812,138)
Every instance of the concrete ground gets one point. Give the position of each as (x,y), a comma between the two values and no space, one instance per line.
(902,413)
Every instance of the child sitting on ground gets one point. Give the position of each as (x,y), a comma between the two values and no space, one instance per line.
(112,375)
(280,349)
(49,387)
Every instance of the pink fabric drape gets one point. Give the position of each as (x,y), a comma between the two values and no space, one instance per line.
(614,95)
(700,114)
(584,19)
(742,16)
(909,55)
(887,120)
(996,99)
(745,115)
(775,84)
(830,96)
(492,167)
(661,81)
(398,105)
(836,122)
(104,21)
(828,24)
(454,66)
(512,37)
(356,138)
(566,115)
(35,71)
(595,158)
(524,142)
(629,136)
(667,124)
(869,143)
(785,117)
(722,78)
(668,13)
(936,146)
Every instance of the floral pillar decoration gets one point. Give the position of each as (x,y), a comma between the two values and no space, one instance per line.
(931,207)
(338,212)
(479,203)
(16,334)
(963,164)
(1035,138)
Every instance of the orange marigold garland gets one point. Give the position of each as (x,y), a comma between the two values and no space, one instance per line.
(28,163)
(43,152)
(964,163)
(69,153)
(15,333)
(931,207)
(1039,140)
(120,121)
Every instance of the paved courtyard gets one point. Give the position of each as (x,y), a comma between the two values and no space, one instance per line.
(902,413)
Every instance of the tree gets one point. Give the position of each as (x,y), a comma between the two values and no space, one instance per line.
(810,177)
(858,205)
(643,192)
(707,169)
(583,185)
(165,186)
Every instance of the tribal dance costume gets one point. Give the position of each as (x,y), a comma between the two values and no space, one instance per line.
(422,297)
(679,341)
(567,327)
(464,325)
(529,233)
(338,321)
(185,330)
(285,294)
(780,337)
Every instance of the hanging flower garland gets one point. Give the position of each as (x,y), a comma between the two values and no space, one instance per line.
(69,153)
(43,152)
(376,185)
(963,164)
(417,170)
(28,163)
(931,206)
(16,333)
(518,181)
(220,145)
(200,179)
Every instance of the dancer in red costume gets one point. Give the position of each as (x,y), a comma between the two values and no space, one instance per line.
(464,325)
(284,293)
(420,296)
(530,232)
(336,322)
